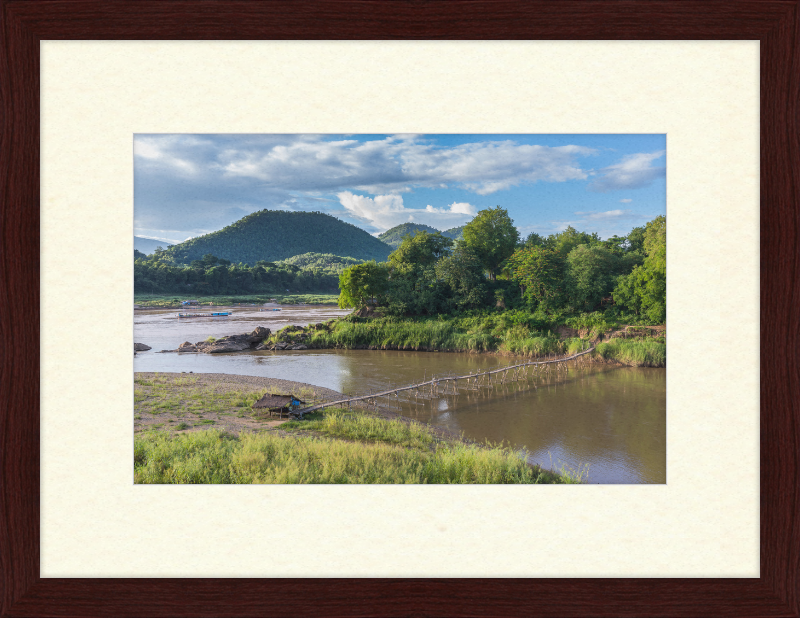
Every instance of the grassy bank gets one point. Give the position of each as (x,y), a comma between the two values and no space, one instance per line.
(171,300)
(508,334)
(193,429)
(359,450)
(636,353)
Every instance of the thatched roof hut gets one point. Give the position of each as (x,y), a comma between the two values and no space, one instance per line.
(277,403)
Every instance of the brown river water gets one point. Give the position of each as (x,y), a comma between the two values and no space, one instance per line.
(608,420)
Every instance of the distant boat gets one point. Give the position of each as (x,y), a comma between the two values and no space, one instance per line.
(204,315)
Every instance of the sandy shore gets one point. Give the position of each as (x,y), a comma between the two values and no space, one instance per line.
(206,400)
(184,388)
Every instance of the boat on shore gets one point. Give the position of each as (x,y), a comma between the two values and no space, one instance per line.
(207,314)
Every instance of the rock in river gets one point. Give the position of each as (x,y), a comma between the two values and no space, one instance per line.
(140,347)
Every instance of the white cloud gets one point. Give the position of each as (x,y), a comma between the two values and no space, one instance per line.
(626,201)
(399,163)
(155,151)
(386,211)
(608,214)
(633,172)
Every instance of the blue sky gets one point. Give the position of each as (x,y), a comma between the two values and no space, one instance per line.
(188,185)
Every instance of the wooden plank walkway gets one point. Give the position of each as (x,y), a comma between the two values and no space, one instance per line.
(434,382)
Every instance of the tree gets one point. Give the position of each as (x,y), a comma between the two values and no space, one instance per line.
(591,273)
(361,282)
(566,241)
(535,240)
(419,251)
(644,290)
(462,273)
(492,236)
(538,272)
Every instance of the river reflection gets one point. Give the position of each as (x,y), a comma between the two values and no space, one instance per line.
(611,419)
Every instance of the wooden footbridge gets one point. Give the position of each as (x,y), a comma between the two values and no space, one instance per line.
(448,385)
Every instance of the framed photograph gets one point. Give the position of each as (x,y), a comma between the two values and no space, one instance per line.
(340,301)
(79,538)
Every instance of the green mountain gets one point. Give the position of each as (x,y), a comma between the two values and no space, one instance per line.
(394,236)
(273,235)
(456,233)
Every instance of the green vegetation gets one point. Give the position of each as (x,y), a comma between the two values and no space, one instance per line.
(179,396)
(214,276)
(271,235)
(456,233)
(363,427)
(564,275)
(493,238)
(372,451)
(638,353)
(394,236)
(514,332)
(644,290)
(326,262)
(171,300)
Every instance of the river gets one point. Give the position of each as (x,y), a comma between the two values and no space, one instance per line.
(611,419)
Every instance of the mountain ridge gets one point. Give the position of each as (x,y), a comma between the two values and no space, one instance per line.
(274,235)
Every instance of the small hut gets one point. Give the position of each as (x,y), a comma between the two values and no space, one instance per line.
(277,403)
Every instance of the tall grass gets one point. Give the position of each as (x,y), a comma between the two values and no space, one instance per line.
(456,334)
(215,457)
(356,426)
(535,345)
(635,352)
(391,333)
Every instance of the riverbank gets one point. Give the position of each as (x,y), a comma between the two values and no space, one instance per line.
(636,346)
(172,301)
(201,428)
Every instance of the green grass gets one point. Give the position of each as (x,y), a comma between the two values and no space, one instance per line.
(634,352)
(159,395)
(391,333)
(181,426)
(216,457)
(359,426)
(451,334)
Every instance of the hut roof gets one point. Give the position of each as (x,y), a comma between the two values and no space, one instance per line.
(274,402)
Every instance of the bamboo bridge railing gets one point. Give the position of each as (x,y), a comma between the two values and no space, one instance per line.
(434,383)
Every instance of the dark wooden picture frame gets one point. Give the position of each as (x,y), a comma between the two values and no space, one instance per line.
(775,23)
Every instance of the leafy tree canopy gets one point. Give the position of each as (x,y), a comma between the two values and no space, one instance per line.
(492,236)
(418,251)
(644,290)
(538,271)
(361,283)
(462,273)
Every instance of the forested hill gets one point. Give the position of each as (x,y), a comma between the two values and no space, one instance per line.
(456,233)
(272,235)
(395,235)
(148,245)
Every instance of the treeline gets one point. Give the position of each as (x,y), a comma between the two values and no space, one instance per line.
(310,272)
(569,273)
